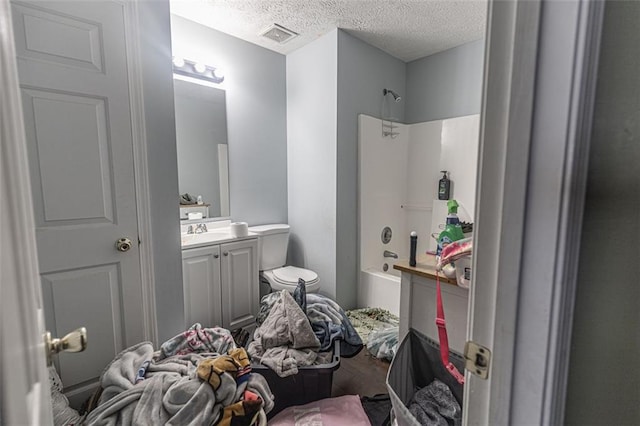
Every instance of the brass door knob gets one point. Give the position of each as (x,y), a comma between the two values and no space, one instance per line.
(123,244)
(76,341)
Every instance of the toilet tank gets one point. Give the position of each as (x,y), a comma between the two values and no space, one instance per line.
(273,241)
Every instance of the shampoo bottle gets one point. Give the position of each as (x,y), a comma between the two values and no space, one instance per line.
(413,247)
(444,187)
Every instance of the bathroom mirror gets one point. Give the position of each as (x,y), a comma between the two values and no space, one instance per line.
(201,138)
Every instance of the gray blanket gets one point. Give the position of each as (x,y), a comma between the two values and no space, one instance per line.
(435,405)
(170,392)
(285,340)
(328,320)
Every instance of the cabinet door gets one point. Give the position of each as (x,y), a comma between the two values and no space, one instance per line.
(240,291)
(201,281)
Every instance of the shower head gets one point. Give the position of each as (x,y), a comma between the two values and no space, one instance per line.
(396,97)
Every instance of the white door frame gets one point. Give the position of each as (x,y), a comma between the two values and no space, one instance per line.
(141,168)
(540,68)
(25,396)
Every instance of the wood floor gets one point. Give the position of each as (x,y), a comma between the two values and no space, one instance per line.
(362,375)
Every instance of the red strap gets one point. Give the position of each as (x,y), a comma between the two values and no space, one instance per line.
(442,335)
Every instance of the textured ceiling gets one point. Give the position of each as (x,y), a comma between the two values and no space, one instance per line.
(408,29)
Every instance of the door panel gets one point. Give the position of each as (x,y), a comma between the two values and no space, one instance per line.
(40,30)
(73,183)
(240,283)
(201,280)
(94,295)
(73,73)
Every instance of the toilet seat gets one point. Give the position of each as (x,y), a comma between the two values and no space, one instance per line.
(286,278)
(291,274)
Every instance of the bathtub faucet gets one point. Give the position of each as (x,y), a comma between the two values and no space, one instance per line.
(388,253)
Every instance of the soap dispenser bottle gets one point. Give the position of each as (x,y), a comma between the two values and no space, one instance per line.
(444,186)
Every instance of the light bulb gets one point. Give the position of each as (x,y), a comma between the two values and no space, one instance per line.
(178,62)
(200,67)
(218,73)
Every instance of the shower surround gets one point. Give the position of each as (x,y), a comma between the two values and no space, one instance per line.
(398,179)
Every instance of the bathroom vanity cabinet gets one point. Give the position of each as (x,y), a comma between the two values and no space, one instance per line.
(221,286)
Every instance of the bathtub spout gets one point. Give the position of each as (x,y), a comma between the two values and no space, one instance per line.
(388,253)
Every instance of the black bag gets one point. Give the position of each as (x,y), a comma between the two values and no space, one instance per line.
(378,409)
(415,365)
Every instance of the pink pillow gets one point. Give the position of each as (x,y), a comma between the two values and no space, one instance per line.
(343,410)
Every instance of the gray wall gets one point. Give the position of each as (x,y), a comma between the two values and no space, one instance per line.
(311,148)
(201,124)
(163,174)
(255,85)
(446,84)
(363,71)
(604,379)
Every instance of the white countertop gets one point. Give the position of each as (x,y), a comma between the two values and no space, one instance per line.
(218,233)
(214,236)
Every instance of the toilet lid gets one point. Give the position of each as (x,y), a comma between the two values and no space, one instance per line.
(290,275)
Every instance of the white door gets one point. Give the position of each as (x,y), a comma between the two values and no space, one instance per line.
(75,92)
(540,72)
(24,383)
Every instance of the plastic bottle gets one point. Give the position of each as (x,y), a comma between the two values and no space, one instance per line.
(414,244)
(452,230)
(452,214)
(444,186)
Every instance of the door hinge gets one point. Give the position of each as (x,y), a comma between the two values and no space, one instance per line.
(477,359)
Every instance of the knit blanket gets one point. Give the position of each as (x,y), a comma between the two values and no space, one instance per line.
(139,388)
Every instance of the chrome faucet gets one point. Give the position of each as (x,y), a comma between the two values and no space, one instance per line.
(388,253)
(199,229)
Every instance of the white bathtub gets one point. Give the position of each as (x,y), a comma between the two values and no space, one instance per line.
(377,289)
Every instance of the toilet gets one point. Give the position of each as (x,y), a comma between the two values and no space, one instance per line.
(273,241)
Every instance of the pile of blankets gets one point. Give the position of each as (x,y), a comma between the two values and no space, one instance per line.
(198,377)
(293,330)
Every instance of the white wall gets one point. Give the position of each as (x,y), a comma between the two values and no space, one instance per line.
(311,154)
(459,156)
(422,175)
(155,50)
(383,174)
(363,71)
(446,84)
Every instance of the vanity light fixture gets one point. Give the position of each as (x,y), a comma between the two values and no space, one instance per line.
(178,62)
(197,70)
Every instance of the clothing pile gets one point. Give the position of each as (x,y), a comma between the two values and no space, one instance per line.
(198,377)
(293,330)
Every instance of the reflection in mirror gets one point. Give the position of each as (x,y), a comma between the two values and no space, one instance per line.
(201,135)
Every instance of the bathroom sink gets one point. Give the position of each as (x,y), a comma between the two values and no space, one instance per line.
(211,236)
